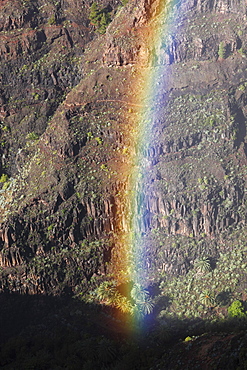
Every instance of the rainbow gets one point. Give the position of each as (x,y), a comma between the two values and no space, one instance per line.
(150,81)
(130,254)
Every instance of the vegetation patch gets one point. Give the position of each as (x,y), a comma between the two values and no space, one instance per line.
(100,18)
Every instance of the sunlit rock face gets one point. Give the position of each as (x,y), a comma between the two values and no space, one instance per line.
(64,117)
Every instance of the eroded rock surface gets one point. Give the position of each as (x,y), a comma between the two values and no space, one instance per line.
(65,110)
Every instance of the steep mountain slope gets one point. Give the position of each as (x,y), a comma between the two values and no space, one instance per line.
(69,96)
(69,108)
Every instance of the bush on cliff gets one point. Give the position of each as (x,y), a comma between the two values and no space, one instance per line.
(236,309)
(99,18)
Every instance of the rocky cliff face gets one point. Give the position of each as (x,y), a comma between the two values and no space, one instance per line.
(64,118)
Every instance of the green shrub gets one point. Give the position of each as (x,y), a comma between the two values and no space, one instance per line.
(203,265)
(95,15)
(236,309)
(50,227)
(241,88)
(99,18)
(105,20)
(99,140)
(138,293)
(187,339)
(32,136)
(206,298)
(52,20)
(107,292)
(4,178)
(222,50)
(143,302)
(6,185)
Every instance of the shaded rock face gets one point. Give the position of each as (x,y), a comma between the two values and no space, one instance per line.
(33,78)
(64,117)
(15,15)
